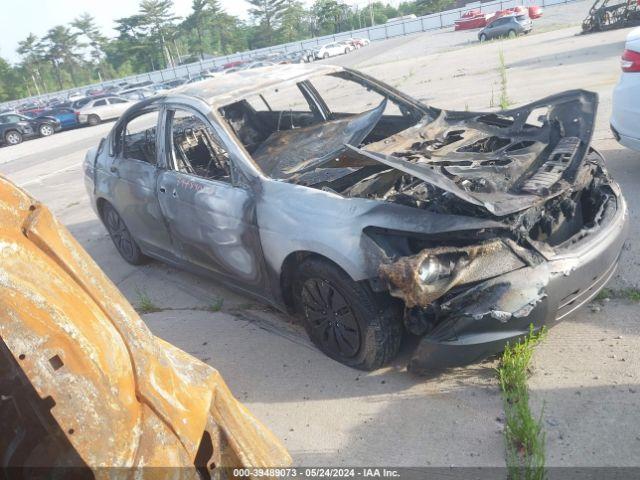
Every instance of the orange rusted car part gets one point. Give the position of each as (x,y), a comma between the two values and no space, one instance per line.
(115,394)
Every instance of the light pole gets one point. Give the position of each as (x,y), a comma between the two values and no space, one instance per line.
(371,12)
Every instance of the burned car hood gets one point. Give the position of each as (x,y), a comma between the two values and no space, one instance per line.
(502,162)
(505,162)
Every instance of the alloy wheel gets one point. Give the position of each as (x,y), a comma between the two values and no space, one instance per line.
(333,322)
(46,130)
(119,234)
(13,138)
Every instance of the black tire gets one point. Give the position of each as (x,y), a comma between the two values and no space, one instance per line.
(12,137)
(512,34)
(346,320)
(46,130)
(121,237)
(483,37)
(93,120)
(325,56)
(346,51)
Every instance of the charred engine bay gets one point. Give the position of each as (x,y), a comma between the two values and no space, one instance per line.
(530,168)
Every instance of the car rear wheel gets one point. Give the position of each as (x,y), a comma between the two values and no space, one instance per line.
(93,119)
(512,34)
(325,56)
(46,130)
(345,319)
(121,237)
(483,37)
(13,137)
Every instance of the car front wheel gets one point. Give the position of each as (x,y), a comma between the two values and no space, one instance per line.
(346,320)
(483,37)
(512,34)
(46,130)
(121,237)
(13,137)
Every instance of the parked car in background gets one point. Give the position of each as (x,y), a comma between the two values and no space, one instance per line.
(625,117)
(331,50)
(106,108)
(75,96)
(349,47)
(360,42)
(170,85)
(263,63)
(508,26)
(67,116)
(137,94)
(370,218)
(132,86)
(14,127)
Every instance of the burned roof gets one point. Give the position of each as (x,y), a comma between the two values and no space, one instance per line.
(222,89)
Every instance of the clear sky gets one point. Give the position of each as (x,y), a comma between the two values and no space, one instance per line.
(38,16)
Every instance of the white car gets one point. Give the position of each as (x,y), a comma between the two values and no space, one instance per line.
(136,94)
(105,108)
(331,50)
(625,118)
(72,97)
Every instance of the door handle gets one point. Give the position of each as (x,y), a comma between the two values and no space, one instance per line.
(163,190)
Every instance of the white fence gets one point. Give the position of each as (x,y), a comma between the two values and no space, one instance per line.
(379,32)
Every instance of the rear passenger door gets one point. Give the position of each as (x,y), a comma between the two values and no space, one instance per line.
(136,176)
(101,108)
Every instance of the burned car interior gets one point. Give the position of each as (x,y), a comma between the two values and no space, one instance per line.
(196,148)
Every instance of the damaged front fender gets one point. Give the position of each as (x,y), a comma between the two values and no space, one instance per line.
(483,319)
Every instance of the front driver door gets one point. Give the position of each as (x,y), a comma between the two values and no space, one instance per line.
(212,221)
(136,174)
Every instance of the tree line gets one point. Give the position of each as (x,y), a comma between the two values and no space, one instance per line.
(79,53)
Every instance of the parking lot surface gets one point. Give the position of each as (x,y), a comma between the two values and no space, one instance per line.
(586,374)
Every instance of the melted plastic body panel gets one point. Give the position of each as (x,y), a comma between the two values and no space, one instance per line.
(108,391)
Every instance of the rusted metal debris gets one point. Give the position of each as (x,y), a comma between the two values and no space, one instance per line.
(84,383)
(611,14)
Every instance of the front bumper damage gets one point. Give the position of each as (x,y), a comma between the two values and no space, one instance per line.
(479,321)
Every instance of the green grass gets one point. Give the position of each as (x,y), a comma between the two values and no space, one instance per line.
(504,102)
(524,438)
(632,294)
(145,304)
(216,305)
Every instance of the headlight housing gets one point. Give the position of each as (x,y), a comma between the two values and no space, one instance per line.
(423,278)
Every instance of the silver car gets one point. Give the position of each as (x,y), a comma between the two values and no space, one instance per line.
(508,26)
(325,192)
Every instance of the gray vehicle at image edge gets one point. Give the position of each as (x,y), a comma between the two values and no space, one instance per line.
(507,26)
(462,228)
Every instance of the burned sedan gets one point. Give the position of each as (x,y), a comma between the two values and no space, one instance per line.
(325,192)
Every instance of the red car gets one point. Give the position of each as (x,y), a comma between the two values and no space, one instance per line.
(472,19)
(476,19)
